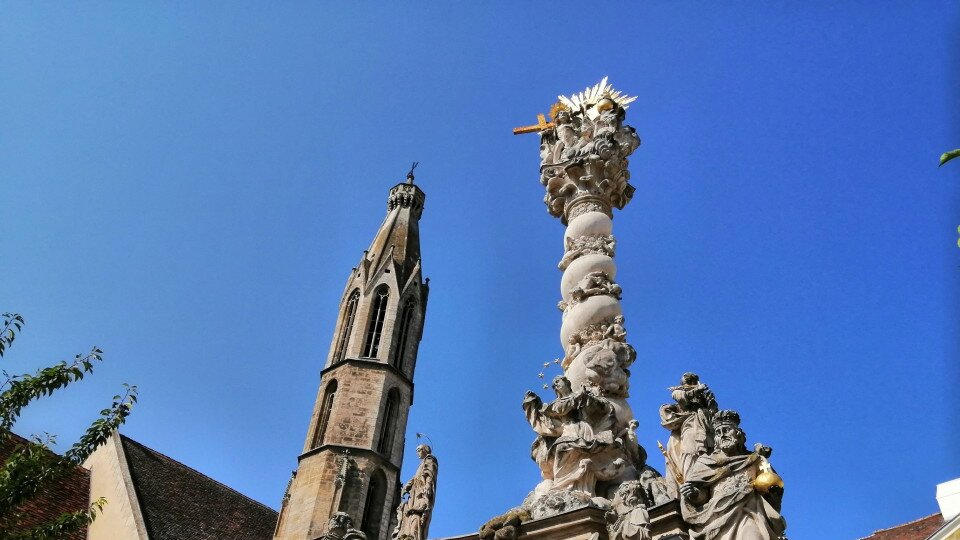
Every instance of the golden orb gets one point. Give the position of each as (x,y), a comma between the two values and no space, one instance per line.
(605,104)
(767,480)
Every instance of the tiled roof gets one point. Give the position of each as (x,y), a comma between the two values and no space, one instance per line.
(179,503)
(919,529)
(68,494)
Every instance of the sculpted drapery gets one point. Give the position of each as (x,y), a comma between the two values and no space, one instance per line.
(735,510)
(720,499)
(689,422)
(414,512)
(571,430)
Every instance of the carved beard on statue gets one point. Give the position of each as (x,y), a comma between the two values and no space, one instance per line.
(729,440)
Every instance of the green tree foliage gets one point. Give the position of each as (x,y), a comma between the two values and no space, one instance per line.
(33,466)
(947,156)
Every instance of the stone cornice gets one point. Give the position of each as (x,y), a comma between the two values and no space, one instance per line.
(369,363)
(354,451)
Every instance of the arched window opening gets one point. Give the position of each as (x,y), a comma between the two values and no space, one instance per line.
(325,409)
(406,321)
(373,505)
(388,426)
(372,345)
(347,326)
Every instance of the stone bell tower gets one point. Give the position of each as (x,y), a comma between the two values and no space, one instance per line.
(354,446)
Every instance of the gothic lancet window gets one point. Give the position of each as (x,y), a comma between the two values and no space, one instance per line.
(406,321)
(347,327)
(373,505)
(388,426)
(325,409)
(377,314)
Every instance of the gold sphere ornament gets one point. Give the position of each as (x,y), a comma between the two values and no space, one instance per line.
(767,479)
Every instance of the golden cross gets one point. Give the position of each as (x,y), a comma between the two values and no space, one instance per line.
(541,125)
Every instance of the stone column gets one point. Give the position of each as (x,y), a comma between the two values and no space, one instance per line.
(586,446)
(584,169)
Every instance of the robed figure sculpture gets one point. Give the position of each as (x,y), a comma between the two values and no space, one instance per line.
(418,496)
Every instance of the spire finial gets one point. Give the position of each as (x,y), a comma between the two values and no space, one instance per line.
(410,174)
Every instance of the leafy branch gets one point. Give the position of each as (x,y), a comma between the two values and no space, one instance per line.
(32,466)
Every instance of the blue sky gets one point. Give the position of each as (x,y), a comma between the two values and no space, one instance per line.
(188,186)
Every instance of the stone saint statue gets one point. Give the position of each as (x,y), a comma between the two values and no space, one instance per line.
(417,498)
(689,422)
(575,445)
(722,497)
(627,518)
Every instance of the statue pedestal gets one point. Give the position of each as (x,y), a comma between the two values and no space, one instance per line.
(666,522)
(589,524)
(579,524)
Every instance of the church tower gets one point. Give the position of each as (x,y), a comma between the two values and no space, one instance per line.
(354,446)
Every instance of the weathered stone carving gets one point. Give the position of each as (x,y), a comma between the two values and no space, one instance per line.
(615,330)
(505,527)
(594,284)
(575,446)
(340,527)
(573,349)
(558,502)
(611,330)
(604,368)
(654,485)
(719,499)
(417,498)
(585,446)
(628,518)
(586,155)
(689,422)
(586,245)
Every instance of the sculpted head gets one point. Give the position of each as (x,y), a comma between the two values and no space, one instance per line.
(689,379)
(618,319)
(630,493)
(423,450)
(561,385)
(340,521)
(728,438)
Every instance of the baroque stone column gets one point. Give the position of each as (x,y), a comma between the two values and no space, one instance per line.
(586,446)
(584,169)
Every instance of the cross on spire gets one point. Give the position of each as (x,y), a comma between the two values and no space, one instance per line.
(410,174)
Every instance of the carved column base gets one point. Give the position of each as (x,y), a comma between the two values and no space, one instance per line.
(589,524)
(580,524)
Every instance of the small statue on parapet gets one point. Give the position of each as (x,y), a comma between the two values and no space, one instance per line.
(340,527)
(418,496)
(627,518)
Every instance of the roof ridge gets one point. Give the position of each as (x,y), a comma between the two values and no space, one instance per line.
(185,466)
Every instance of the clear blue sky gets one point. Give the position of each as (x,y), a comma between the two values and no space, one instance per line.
(187,186)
